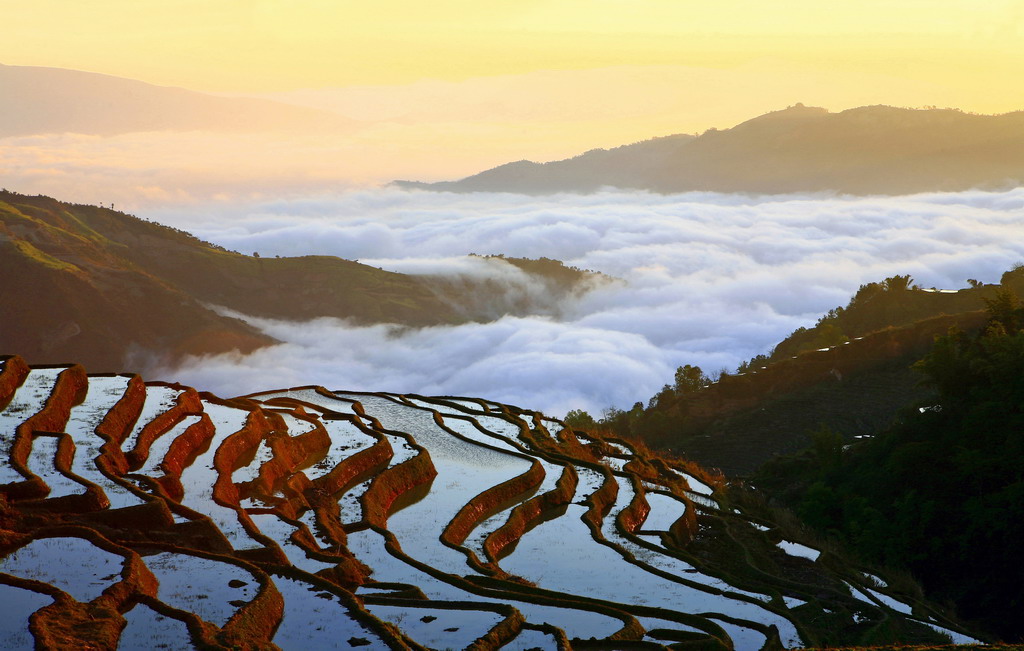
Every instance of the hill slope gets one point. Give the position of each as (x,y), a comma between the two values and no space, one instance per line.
(941,491)
(850,372)
(102,284)
(98,285)
(892,426)
(867,150)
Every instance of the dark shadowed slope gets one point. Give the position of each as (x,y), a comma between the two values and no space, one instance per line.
(867,150)
(53,100)
(941,491)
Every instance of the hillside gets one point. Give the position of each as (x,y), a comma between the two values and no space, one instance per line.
(40,100)
(68,289)
(148,515)
(106,287)
(867,150)
(939,492)
(628,166)
(850,372)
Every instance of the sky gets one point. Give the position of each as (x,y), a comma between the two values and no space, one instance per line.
(442,90)
(265,46)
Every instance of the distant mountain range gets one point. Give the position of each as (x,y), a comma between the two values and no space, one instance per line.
(99,285)
(39,100)
(867,150)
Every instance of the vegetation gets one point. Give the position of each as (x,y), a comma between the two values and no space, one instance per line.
(850,371)
(942,492)
(555,271)
(933,486)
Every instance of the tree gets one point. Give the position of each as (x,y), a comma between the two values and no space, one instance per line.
(690,379)
(866,292)
(828,448)
(1004,308)
(755,363)
(580,419)
(946,366)
(829,335)
(898,283)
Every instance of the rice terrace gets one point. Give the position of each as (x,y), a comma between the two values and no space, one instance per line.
(147,515)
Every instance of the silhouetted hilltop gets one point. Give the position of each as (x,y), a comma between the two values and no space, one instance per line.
(867,150)
(625,166)
(40,100)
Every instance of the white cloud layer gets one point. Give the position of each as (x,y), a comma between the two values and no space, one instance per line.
(711,279)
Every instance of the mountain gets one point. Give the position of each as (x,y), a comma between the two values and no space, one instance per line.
(70,289)
(39,100)
(148,515)
(628,166)
(867,150)
(104,286)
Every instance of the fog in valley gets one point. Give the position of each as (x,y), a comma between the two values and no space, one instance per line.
(707,279)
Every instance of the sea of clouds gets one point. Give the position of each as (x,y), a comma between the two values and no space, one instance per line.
(710,279)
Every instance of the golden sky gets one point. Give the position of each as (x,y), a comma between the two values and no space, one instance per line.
(265,45)
(447,88)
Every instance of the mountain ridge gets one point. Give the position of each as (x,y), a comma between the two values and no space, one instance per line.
(866,150)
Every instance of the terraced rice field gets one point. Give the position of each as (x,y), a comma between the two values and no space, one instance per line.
(139,516)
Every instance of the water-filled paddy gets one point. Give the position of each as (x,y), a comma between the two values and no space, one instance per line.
(74,565)
(200,585)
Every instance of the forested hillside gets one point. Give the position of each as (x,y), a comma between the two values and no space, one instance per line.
(110,289)
(941,493)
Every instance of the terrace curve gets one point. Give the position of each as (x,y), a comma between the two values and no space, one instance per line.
(330,519)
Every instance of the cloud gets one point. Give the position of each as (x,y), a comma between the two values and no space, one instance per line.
(512,360)
(711,279)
